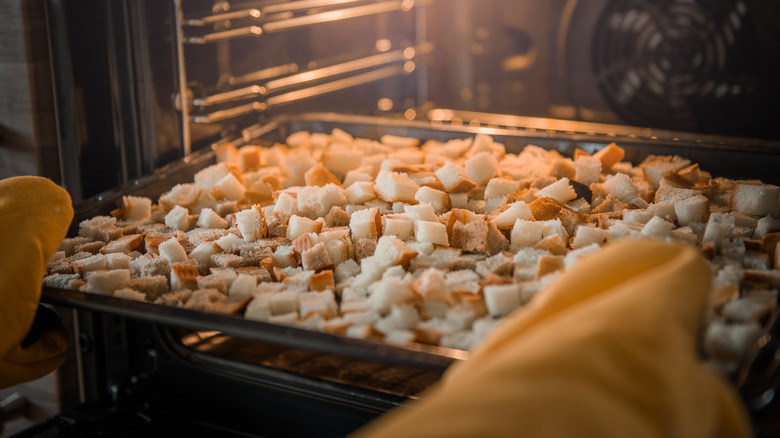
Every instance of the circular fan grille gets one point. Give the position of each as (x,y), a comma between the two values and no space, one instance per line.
(677,64)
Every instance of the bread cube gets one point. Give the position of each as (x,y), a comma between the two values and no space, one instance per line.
(621,187)
(105,282)
(439,200)
(395,187)
(693,209)
(183,276)
(655,167)
(203,252)
(389,292)
(586,235)
(501,299)
(391,251)
(136,208)
(284,302)
(251,222)
(720,226)
(125,244)
(259,309)
(756,199)
(243,286)
(500,187)
(286,205)
(316,258)
(421,212)
(172,251)
(360,192)
(515,211)
(481,167)
(185,195)
(366,224)
(342,160)
(454,178)
(432,232)
(657,228)
(299,226)
(587,169)
(179,218)
(285,256)
(609,156)
(525,233)
(560,190)
(230,242)
(318,175)
(117,261)
(208,218)
(400,225)
(228,187)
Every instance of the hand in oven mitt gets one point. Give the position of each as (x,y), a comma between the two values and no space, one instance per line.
(34,217)
(607,350)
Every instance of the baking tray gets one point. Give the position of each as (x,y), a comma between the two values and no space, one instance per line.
(728,157)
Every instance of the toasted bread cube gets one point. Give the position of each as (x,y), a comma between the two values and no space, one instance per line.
(125,244)
(105,282)
(621,187)
(506,219)
(243,286)
(395,187)
(693,209)
(720,226)
(360,192)
(655,167)
(342,160)
(525,233)
(96,262)
(500,187)
(756,199)
(348,268)
(286,205)
(454,178)
(172,251)
(609,156)
(482,167)
(203,252)
(549,264)
(208,218)
(366,224)
(259,309)
(183,276)
(665,210)
(179,218)
(586,235)
(432,232)
(316,258)
(421,212)
(439,200)
(284,302)
(354,176)
(136,208)
(185,195)
(502,299)
(588,169)
(127,293)
(299,226)
(560,190)
(399,142)
(230,242)
(251,222)
(117,261)
(318,175)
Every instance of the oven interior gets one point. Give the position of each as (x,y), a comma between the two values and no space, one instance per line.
(144,89)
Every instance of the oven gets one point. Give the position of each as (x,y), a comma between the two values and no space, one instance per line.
(138,96)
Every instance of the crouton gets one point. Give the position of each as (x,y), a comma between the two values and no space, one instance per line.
(455,179)
(395,187)
(432,232)
(366,224)
(252,224)
(756,199)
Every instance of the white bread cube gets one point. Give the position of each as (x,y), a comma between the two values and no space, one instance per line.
(621,187)
(421,212)
(96,262)
(766,225)
(501,299)
(366,224)
(395,187)
(179,218)
(756,199)
(300,225)
(500,187)
(455,178)
(185,195)
(203,252)
(720,226)
(228,187)
(585,236)
(347,269)
(391,251)
(259,309)
(431,232)
(440,201)
(172,251)
(665,210)
(398,142)
(459,200)
(482,167)
(208,177)
(400,225)
(243,286)
(314,202)
(693,209)
(297,165)
(300,139)
(136,208)
(284,302)
(285,256)
(657,228)
(431,284)
(389,292)
(560,190)
(127,293)
(341,160)
(105,282)
(286,205)
(360,192)
(251,222)
(587,169)
(117,261)
(641,216)
(525,233)
(515,211)
(208,218)
(354,176)
(230,243)
(316,258)
(339,250)
(609,156)
(655,167)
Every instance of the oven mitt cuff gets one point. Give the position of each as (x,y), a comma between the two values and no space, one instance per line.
(35,215)
(609,349)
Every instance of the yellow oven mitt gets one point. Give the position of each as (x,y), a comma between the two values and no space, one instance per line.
(608,350)
(34,217)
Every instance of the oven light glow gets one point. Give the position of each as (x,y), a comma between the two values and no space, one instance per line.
(385,104)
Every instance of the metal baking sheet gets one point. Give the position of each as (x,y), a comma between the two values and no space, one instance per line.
(732,158)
